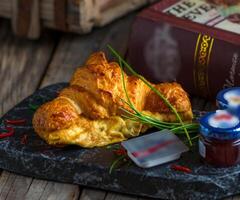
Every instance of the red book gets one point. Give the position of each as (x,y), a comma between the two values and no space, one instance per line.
(193,42)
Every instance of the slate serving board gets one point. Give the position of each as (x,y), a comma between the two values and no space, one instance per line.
(90,167)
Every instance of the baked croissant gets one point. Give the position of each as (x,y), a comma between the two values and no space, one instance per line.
(89,111)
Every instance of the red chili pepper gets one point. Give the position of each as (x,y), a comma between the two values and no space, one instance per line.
(181,168)
(24,139)
(120,152)
(16,122)
(7,134)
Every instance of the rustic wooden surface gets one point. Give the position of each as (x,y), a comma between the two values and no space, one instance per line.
(30,16)
(28,65)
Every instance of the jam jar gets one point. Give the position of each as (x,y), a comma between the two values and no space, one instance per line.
(219,142)
(229,99)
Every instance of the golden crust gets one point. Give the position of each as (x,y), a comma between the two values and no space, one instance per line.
(102,82)
(174,93)
(54,115)
(86,101)
(88,112)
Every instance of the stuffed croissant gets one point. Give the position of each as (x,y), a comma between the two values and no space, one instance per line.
(89,111)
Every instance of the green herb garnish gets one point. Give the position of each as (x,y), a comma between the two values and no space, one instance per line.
(177,128)
(33,107)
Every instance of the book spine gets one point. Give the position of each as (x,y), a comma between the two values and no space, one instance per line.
(202,64)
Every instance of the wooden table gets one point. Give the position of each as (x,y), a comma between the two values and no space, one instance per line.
(28,65)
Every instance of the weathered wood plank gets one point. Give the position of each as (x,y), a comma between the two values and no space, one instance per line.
(22,65)
(114,196)
(26,18)
(36,189)
(43,190)
(58,191)
(73,50)
(13,186)
(90,194)
(79,17)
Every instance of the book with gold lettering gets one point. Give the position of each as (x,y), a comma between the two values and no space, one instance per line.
(195,42)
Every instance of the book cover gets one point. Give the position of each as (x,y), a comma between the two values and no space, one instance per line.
(193,42)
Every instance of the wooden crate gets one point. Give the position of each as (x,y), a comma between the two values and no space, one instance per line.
(80,16)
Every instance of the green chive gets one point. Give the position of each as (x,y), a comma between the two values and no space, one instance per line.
(145,119)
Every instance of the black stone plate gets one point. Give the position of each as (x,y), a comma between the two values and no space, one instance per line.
(90,167)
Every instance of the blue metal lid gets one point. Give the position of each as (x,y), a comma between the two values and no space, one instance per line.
(229,99)
(220,124)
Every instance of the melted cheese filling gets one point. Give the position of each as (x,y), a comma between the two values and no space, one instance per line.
(90,133)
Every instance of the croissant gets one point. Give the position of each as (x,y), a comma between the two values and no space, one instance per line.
(89,111)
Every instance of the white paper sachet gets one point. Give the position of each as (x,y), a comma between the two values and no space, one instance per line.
(155,148)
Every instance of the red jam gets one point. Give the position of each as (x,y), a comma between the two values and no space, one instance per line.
(220,153)
(219,144)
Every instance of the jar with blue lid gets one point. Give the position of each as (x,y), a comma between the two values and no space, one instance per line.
(229,99)
(219,142)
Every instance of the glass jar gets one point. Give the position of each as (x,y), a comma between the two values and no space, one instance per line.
(219,142)
(229,99)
